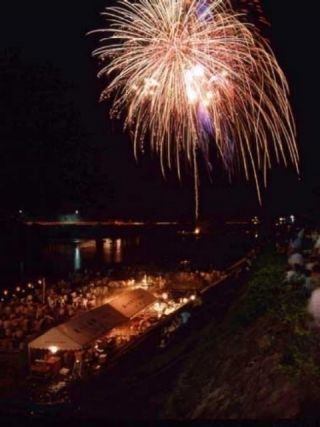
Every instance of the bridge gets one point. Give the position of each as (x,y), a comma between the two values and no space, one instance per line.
(100,229)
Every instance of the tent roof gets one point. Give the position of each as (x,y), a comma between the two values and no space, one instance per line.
(80,330)
(131,302)
(54,337)
(89,326)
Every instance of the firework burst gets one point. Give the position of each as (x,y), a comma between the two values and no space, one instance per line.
(192,73)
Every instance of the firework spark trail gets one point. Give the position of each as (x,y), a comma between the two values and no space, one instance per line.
(189,73)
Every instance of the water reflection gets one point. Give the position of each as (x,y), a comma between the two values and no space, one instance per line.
(80,254)
(107,248)
(57,258)
(77,259)
(118,251)
(113,250)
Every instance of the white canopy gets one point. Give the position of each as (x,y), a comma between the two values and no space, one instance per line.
(54,338)
(87,327)
(131,302)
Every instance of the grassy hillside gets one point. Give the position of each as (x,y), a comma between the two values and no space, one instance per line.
(263,361)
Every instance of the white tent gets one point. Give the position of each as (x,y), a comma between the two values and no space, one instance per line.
(87,327)
(131,302)
(54,338)
(81,330)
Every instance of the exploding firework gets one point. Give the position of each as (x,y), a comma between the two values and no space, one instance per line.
(192,74)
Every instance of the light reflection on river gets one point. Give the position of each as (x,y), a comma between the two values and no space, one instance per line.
(57,258)
(72,256)
(111,250)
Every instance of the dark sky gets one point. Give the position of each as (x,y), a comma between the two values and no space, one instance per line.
(61,152)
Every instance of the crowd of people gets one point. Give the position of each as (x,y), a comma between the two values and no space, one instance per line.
(304,263)
(30,312)
(303,269)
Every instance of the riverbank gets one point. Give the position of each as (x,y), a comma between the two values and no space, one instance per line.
(261,363)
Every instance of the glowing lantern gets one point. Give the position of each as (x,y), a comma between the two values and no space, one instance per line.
(53,349)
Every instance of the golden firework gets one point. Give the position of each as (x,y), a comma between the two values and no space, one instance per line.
(191,73)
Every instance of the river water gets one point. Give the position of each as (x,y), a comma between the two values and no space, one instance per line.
(58,258)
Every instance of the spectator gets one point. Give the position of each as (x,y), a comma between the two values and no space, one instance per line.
(296,259)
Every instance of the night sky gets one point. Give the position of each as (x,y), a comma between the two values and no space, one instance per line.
(60,151)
